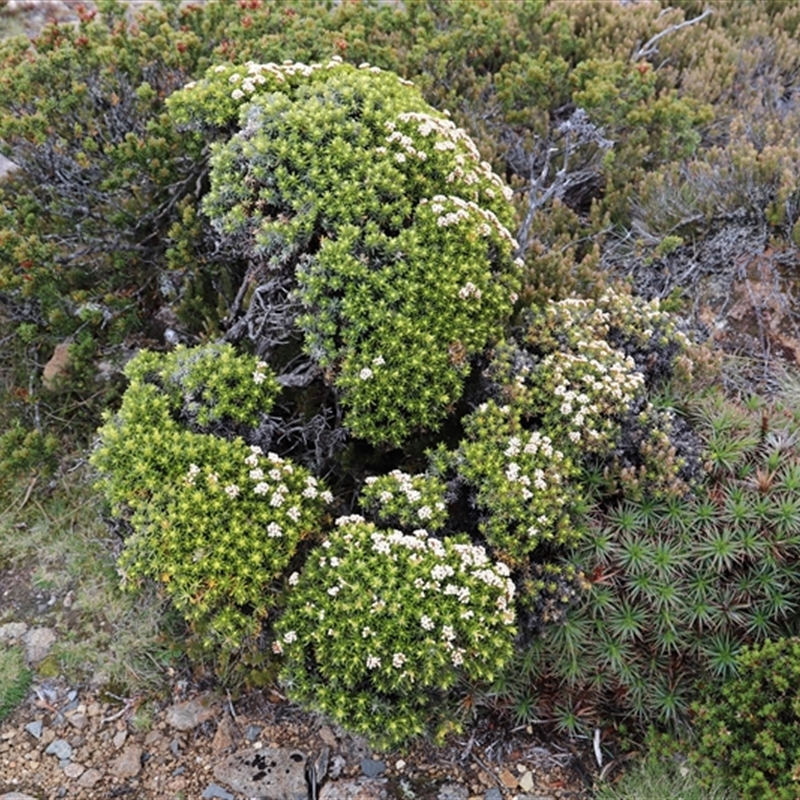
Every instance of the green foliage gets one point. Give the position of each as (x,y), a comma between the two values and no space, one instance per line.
(215,521)
(523,483)
(380,625)
(15,679)
(382,218)
(23,450)
(747,728)
(408,501)
(677,587)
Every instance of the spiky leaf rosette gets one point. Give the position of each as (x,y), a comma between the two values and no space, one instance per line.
(679,586)
(381,624)
(381,221)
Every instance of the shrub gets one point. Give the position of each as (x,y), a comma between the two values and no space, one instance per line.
(214,520)
(380,625)
(344,191)
(677,587)
(747,728)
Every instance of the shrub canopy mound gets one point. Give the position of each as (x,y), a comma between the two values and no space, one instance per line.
(394,457)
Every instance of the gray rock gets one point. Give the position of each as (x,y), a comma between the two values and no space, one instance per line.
(214,790)
(189,714)
(59,748)
(35,729)
(493,794)
(38,642)
(7,166)
(16,796)
(270,773)
(372,768)
(89,778)
(452,791)
(337,764)
(252,732)
(12,630)
(355,789)
(128,764)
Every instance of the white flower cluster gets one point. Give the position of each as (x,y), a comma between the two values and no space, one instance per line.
(452,138)
(259,375)
(469,289)
(585,381)
(412,498)
(464,210)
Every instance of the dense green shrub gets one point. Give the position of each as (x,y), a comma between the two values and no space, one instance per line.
(214,520)
(376,215)
(748,728)
(380,624)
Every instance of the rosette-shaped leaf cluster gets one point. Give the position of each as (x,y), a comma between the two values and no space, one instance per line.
(380,624)
(379,218)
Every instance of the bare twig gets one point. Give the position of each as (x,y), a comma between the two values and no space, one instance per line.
(649,47)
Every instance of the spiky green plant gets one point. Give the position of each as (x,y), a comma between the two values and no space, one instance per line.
(678,587)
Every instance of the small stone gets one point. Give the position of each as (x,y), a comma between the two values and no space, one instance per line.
(335,768)
(526,781)
(74,770)
(119,739)
(372,768)
(400,765)
(57,366)
(175,747)
(493,794)
(453,791)
(79,721)
(223,736)
(16,796)
(128,764)
(59,748)
(275,774)
(328,736)
(12,631)
(153,738)
(214,790)
(355,789)
(95,709)
(508,780)
(89,778)
(252,732)
(38,642)
(190,713)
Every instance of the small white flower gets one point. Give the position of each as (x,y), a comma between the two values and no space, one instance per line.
(373,662)
(334,590)
(310,492)
(277,648)
(398,659)
(256,474)
(425,512)
(276,501)
(294,579)
(365,374)
(326,497)
(426,622)
(258,377)
(378,361)
(232,490)
(293,513)
(261,488)
(290,636)
(274,530)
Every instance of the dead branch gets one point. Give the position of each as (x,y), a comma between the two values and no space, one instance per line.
(649,47)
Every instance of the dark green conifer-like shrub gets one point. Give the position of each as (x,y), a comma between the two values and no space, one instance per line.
(748,728)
